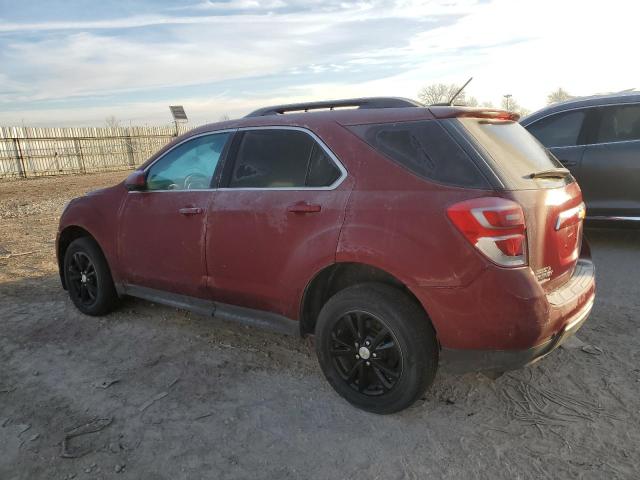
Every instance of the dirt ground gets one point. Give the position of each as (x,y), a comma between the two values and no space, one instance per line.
(151,392)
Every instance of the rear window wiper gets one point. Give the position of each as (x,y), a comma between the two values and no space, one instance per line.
(551,173)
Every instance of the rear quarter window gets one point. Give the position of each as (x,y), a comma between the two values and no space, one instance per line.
(424,148)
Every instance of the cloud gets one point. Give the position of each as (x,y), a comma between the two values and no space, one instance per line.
(300,12)
(226,5)
(76,64)
(236,55)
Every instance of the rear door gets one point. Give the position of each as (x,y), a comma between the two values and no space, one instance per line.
(610,170)
(162,230)
(277,218)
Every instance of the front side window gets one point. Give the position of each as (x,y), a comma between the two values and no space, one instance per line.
(619,124)
(189,166)
(272,158)
(561,130)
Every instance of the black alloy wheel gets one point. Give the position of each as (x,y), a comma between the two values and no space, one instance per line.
(365,353)
(82,279)
(88,279)
(376,347)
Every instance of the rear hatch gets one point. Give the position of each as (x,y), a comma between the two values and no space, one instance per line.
(529,174)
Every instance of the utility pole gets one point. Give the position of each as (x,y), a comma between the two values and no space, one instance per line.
(508,101)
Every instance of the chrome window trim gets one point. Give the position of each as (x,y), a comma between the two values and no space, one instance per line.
(584,108)
(580,210)
(318,140)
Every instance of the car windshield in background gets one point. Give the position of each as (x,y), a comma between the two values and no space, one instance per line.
(515,154)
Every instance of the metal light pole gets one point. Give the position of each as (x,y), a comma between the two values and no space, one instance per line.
(508,97)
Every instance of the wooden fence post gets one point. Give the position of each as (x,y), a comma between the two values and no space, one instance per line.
(78,148)
(129,145)
(19,158)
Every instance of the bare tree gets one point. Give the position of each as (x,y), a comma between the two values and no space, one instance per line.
(487,104)
(559,95)
(440,93)
(112,122)
(224,117)
(471,102)
(510,104)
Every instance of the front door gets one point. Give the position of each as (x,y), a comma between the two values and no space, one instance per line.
(163,228)
(276,221)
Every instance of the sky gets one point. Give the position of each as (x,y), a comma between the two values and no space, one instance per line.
(77,62)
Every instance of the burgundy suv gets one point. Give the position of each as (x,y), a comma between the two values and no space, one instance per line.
(402,237)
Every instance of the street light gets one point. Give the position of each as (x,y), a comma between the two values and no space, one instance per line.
(507,103)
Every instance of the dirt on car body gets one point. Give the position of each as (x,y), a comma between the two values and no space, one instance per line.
(152,392)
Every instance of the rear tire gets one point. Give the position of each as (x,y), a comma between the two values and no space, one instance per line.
(88,278)
(376,347)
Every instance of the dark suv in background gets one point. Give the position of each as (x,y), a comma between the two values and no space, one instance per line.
(598,139)
(401,236)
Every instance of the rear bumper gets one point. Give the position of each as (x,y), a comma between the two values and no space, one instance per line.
(457,360)
(505,320)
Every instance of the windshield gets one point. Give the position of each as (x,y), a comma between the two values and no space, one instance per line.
(513,152)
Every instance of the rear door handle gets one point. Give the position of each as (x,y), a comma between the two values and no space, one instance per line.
(304,208)
(569,163)
(190,211)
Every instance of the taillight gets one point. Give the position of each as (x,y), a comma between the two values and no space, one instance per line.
(495,226)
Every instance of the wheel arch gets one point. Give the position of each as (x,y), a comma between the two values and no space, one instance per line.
(66,236)
(338,276)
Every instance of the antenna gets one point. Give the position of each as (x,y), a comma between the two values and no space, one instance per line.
(450,102)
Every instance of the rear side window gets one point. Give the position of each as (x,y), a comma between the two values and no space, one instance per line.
(560,130)
(426,149)
(273,158)
(619,124)
(513,153)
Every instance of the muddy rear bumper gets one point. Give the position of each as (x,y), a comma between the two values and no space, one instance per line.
(460,361)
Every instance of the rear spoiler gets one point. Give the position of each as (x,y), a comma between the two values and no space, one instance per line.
(469,112)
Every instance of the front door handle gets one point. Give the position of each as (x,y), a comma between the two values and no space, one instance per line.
(569,163)
(303,207)
(190,211)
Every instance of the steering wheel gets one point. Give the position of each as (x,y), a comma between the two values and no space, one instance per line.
(196,181)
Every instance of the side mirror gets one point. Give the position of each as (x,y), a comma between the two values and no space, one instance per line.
(136,182)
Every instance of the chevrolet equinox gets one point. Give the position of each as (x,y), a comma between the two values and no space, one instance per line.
(401,237)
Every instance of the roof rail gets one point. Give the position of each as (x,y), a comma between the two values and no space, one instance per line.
(370,102)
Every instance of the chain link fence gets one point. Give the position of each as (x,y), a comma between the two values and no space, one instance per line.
(32,152)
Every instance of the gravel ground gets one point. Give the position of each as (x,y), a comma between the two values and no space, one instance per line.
(151,392)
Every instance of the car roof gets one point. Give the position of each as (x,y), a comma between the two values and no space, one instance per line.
(318,118)
(315,115)
(583,102)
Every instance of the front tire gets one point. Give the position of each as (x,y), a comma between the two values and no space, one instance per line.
(88,278)
(376,347)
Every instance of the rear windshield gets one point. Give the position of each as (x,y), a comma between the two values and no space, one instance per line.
(513,153)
